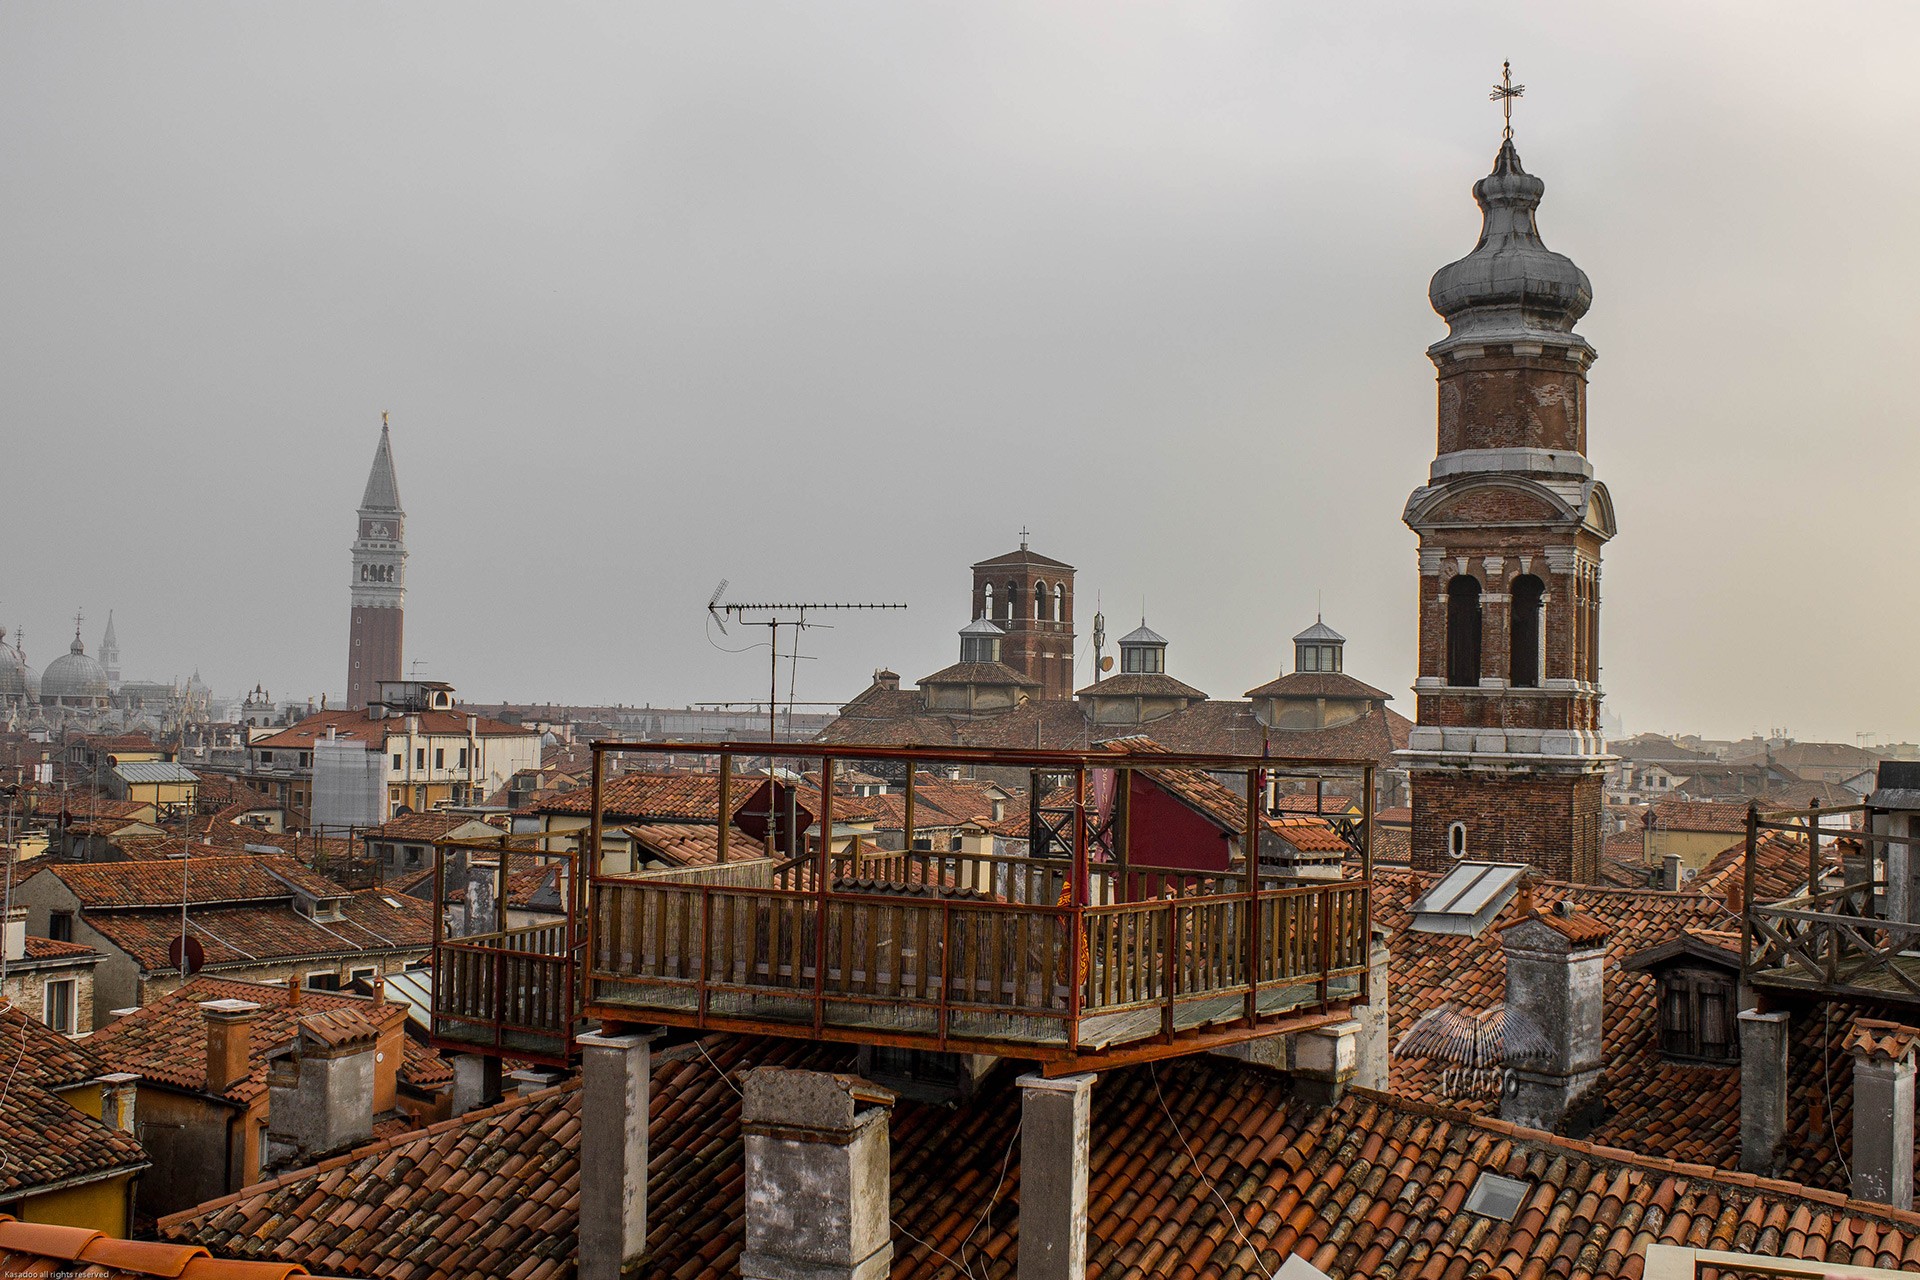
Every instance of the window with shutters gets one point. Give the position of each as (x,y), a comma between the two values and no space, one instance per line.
(1697,1009)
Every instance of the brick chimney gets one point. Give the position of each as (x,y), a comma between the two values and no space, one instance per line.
(1555,961)
(817,1177)
(229,1042)
(1883,1093)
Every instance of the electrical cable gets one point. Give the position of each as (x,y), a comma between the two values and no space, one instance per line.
(722,648)
(1233,1219)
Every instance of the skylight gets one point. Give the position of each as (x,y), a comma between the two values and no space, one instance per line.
(1468,898)
(1494,1196)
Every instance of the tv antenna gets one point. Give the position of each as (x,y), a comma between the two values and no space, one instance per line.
(774,616)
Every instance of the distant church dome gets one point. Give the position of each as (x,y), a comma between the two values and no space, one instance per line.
(75,677)
(1511,282)
(13,672)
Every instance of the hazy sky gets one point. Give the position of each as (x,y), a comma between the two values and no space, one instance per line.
(830,299)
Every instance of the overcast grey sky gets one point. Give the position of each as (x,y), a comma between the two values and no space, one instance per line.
(830,299)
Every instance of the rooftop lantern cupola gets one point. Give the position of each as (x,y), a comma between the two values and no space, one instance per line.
(1143,652)
(1319,648)
(980,641)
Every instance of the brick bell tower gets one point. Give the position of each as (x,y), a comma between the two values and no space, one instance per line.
(1506,758)
(1030,597)
(379,581)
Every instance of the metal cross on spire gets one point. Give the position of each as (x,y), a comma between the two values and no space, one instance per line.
(1023,537)
(1504,93)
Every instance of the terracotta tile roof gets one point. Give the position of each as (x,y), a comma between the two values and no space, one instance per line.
(994,673)
(245,878)
(428,827)
(1319,684)
(508,1176)
(654,797)
(359,726)
(1876,1038)
(1676,814)
(340,1028)
(54,949)
(372,921)
(166,1041)
(1780,870)
(1580,928)
(1140,685)
(1199,1167)
(44,1249)
(43,1137)
(691,844)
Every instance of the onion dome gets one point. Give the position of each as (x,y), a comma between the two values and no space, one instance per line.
(74,676)
(1511,283)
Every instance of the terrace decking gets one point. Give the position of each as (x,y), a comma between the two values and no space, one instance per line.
(1085,950)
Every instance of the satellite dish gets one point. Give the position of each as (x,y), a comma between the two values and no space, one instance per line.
(1106,664)
(196,956)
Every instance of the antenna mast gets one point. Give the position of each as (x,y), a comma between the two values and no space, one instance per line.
(776,615)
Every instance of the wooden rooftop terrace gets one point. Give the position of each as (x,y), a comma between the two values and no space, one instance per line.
(1854,938)
(1132,924)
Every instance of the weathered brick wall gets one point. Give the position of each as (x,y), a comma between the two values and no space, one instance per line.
(1550,823)
(1500,711)
(1512,402)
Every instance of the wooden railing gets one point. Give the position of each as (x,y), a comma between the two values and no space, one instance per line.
(943,968)
(1833,940)
(513,991)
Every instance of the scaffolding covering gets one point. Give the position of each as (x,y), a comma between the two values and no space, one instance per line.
(349,787)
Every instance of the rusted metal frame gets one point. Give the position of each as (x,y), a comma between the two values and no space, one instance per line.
(1141,1051)
(439,928)
(1250,942)
(1366,879)
(821,890)
(1077,886)
(585,875)
(944,1010)
(1057,761)
(1746,900)
(706,945)
(726,806)
(1782,819)
(906,823)
(1123,820)
(1813,850)
(1027,1050)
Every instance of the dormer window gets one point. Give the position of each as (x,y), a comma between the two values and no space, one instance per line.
(1697,1008)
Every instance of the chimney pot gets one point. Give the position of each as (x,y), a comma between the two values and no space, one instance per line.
(817,1176)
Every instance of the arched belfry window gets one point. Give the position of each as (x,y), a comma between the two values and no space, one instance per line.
(1463,631)
(1059,602)
(986,602)
(1039,601)
(1013,599)
(1529,598)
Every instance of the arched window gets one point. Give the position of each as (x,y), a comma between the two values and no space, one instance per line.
(1463,631)
(1529,595)
(1039,601)
(1013,600)
(1059,602)
(986,601)
(1457,840)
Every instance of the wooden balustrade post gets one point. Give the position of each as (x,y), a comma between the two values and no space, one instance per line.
(1076,909)
(1251,925)
(726,805)
(824,870)
(1366,879)
(1826,945)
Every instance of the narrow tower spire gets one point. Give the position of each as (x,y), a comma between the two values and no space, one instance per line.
(379,586)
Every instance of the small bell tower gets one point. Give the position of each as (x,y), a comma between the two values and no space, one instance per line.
(1506,756)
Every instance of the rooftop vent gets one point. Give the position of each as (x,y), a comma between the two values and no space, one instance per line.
(1468,898)
(1497,1197)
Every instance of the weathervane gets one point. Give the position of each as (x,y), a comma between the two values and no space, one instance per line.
(1504,93)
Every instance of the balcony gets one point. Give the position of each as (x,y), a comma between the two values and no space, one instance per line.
(1149,904)
(1843,934)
